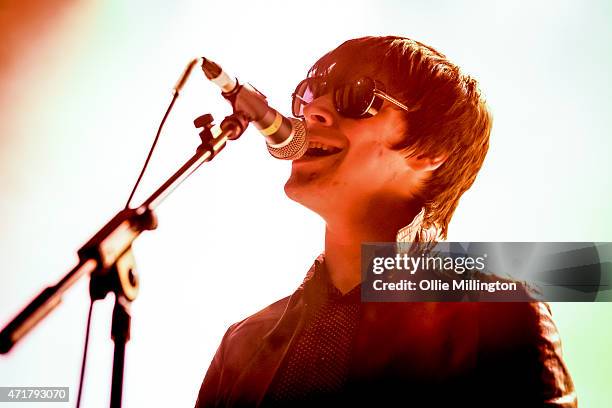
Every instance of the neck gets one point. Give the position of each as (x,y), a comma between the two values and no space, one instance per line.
(343,239)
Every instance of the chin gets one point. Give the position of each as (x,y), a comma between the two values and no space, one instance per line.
(295,190)
(307,195)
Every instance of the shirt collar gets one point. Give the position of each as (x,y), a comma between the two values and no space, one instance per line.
(414,232)
(318,288)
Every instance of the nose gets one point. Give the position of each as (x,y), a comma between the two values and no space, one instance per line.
(320,112)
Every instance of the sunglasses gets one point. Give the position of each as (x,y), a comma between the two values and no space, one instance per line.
(362,98)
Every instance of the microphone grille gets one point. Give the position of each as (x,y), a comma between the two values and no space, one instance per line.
(296,147)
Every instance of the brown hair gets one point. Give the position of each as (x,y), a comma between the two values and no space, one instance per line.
(450,116)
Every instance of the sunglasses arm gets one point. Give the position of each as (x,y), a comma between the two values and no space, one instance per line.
(392,100)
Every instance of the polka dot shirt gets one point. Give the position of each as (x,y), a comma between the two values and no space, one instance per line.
(316,364)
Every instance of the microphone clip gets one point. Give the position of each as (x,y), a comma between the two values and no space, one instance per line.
(248,100)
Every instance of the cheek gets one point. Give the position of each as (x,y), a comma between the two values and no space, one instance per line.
(371,163)
(394,139)
(372,159)
(366,153)
(395,134)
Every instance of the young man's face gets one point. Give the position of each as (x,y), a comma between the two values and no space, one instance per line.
(366,175)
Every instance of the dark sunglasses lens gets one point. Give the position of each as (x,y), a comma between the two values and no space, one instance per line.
(354,99)
(301,97)
(307,91)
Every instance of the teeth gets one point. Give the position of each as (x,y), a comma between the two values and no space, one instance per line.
(316,145)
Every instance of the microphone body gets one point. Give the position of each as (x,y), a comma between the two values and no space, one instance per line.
(285,137)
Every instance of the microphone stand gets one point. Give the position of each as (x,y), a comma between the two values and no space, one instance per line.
(108,256)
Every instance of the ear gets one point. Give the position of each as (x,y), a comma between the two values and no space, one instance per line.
(420,162)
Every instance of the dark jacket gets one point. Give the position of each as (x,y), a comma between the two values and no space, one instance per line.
(406,354)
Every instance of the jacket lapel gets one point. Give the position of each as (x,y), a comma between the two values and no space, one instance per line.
(252,384)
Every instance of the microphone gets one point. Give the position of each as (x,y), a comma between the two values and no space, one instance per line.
(285,137)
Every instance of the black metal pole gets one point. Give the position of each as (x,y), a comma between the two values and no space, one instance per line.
(41,306)
(120,333)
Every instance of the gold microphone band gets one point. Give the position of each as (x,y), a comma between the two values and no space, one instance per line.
(273,128)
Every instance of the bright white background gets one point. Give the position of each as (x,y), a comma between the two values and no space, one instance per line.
(84,86)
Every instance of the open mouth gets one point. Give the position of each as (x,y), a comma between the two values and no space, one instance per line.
(316,149)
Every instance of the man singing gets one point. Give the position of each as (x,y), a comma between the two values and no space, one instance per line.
(397,134)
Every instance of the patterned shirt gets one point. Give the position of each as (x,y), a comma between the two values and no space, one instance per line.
(317,362)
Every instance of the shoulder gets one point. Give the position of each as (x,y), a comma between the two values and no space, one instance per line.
(257,325)
(240,343)
(522,338)
(518,321)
